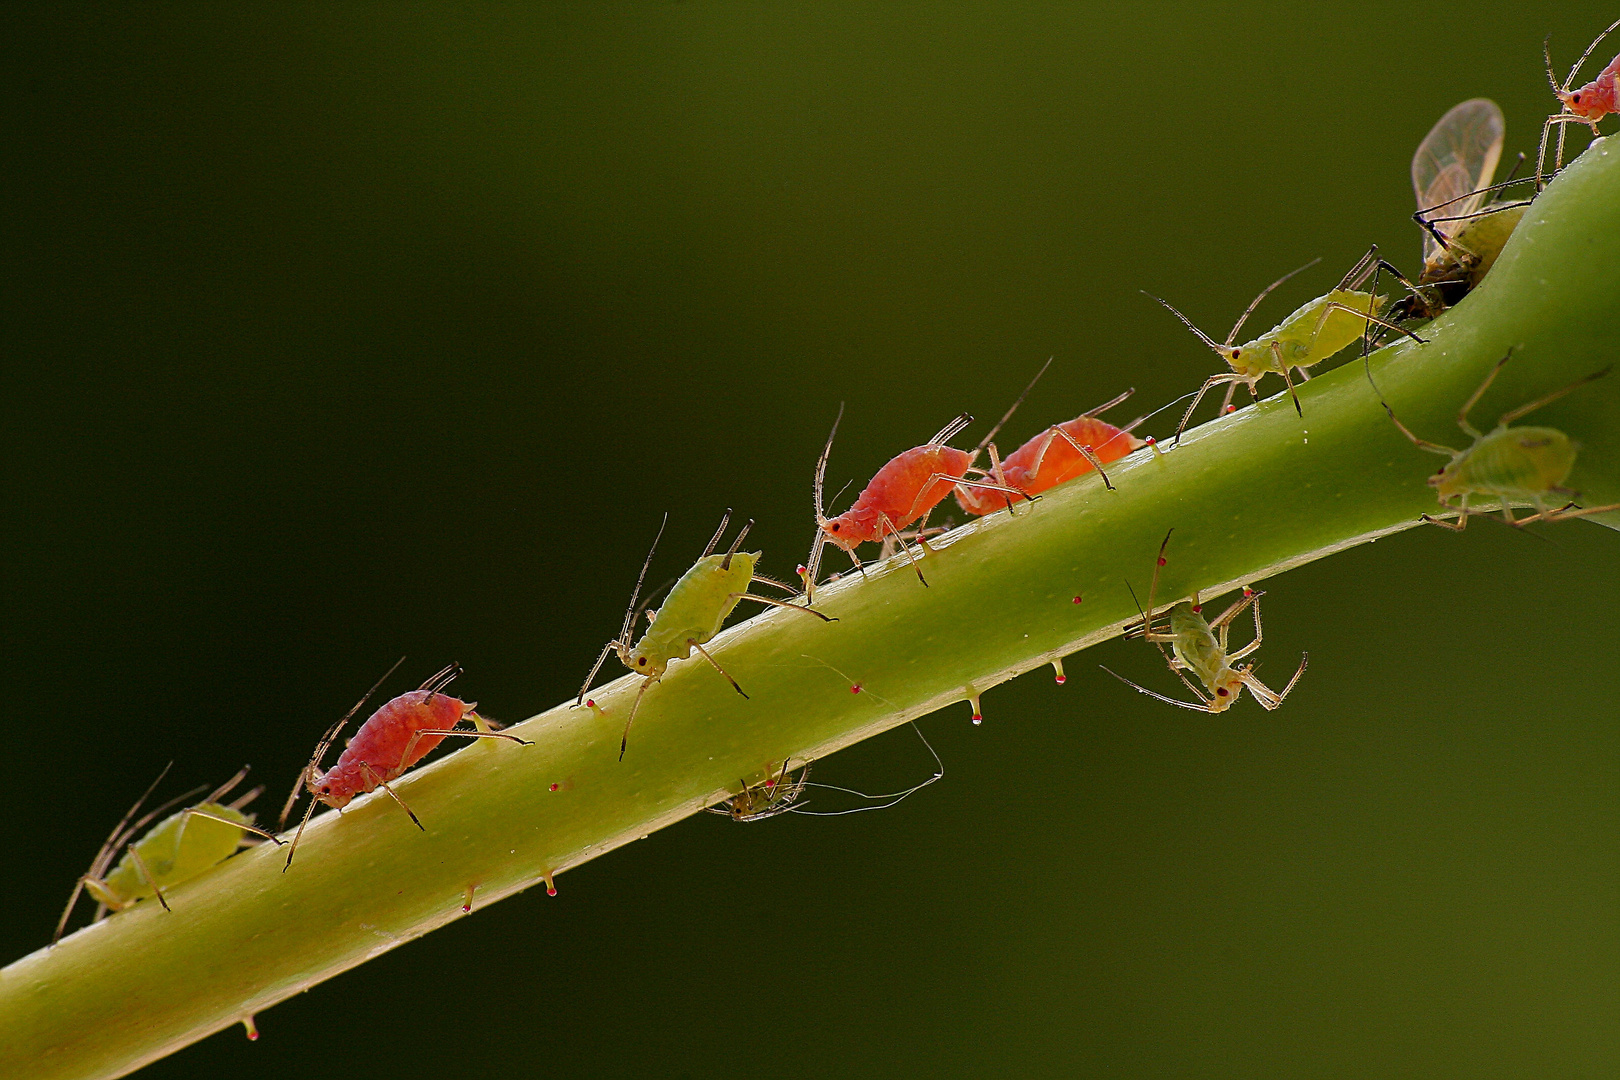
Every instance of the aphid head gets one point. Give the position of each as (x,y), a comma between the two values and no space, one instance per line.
(840,530)
(1583,103)
(644,663)
(1224,693)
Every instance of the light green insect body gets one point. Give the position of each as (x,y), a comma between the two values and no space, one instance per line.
(1474,249)
(1202,646)
(1508,465)
(694,611)
(180,847)
(177,849)
(692,614)
(1315,332)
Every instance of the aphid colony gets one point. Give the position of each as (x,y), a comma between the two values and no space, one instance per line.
(1465,225)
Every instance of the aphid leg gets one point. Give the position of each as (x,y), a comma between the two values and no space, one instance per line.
(609,649)
(410,744)
(1084,451)
(1565,513)
(1209,384)
(884,522)
(1457,526)
(1276,699)
(1334,305)
(227,821)
(780,604)
(1259,634)
(372,774)
(140,864)
(1222,624)
(310,770)
(624,739)
(104,855)
(1526,410)
(705,654)
(920,533)
(1282,369)
(1001,475)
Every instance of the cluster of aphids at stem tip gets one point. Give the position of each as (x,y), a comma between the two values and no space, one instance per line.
(1465,219)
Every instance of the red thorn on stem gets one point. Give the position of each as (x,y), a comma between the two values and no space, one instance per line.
(252,1028)
(551,886)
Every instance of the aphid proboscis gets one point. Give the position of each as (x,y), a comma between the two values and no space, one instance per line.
(780,793)
(690,616)
(177,849)
(1061,453)
(398,735)
(1511,465)
(1583,105)
(904,491)
(1313,333)
(1463,230)
(1201,646)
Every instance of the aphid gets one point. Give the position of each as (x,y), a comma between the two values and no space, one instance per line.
(1310,335)
(1200,646)
(177,849)
(690,616)
(1463,232)
(395,737)
(780,793)
(902,492)
(1506,464)
(1584,105)
(1057,455)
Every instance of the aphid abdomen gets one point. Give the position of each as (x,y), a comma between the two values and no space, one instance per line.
(903,490)
(1303,344)
(695,609)
(1195,644)
(1514,463)
(382,740)
(177,849)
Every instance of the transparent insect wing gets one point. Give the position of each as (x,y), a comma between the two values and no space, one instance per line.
(1458,156)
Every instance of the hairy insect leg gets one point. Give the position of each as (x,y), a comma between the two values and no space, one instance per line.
(1282,369)
(624,739)
(705,654)
(1526,410)
(245,828)
(417,735)
(146,875)
(1223,622)
(1275,699)
(310,770)
(1209,384)
(372,774)
(616,645)
(1084,451)
(781,604)
(884,522)
(1457,526)
(1565,513)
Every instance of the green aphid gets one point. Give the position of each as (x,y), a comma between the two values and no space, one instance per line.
(176,849)
(691,615)
(1507,465)
(1315,332)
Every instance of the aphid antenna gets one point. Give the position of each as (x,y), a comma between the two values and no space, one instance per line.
(893,798)
(1364,268)
(1267,291)
(1154,693)
(950,430)
(246,797)
(1526,410)
(984,442)
(621,644)
(1205,338)
(725,519)
(1117,399)
(813,560)
(1585,56)
(725,564)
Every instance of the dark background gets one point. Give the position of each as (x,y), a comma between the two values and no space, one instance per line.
(335,333)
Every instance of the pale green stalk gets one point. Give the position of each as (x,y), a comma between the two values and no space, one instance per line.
(1249,495)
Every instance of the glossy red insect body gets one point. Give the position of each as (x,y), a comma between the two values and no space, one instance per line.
(395,737)
(1053,457)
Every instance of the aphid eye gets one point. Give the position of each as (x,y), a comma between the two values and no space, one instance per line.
(641,661)
(1576,99)
(1237,353)
(1221,691)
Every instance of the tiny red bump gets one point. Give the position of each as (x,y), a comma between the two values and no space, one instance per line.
(1161,561)
(1062,679)
(1231,408)
(551,890)
(799,569)
(1197,608)
(466,908)
(855,689)
(1248,592)
(1077,600)
(253,1036)
(554,787)
(1151,440)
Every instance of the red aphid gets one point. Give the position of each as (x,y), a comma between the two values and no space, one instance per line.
(1051,458)
(1585,104)
(395,737)
(903,492)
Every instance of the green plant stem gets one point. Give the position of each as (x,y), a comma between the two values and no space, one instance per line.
(1250,495)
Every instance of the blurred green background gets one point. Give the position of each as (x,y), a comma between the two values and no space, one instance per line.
(334,333)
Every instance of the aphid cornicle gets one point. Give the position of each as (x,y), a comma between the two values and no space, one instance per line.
(398,735)
(1313,333)
(691,615)
(1463,229)
(1200,646)
(175,850)
(1509,465)
(1583,105)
